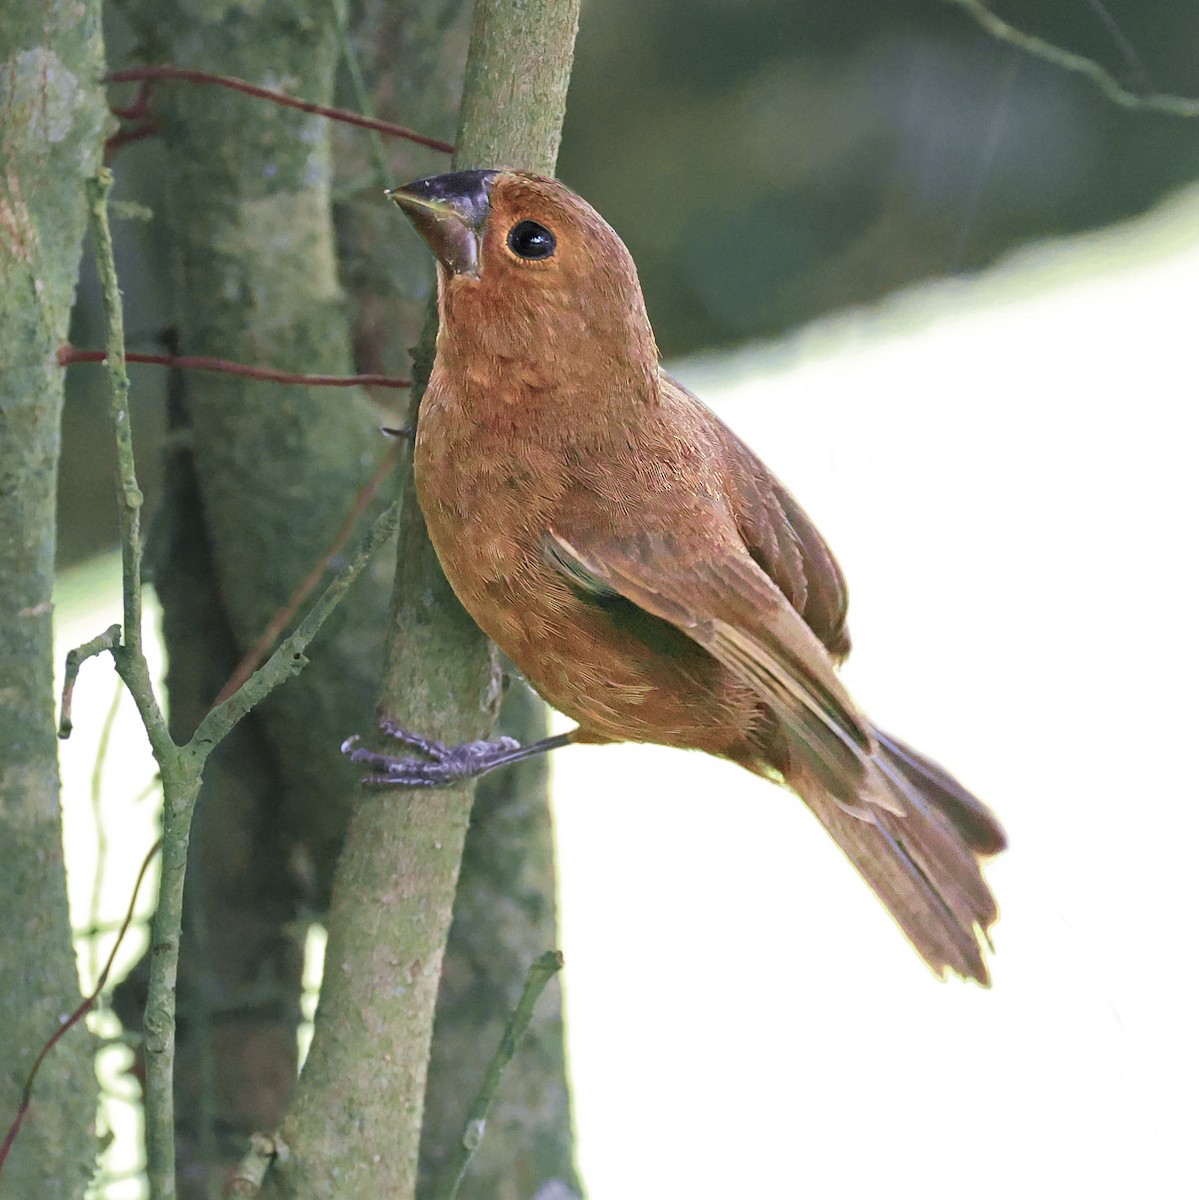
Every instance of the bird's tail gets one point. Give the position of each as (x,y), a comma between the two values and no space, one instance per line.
(918,840)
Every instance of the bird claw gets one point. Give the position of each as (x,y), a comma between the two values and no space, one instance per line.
(441,764)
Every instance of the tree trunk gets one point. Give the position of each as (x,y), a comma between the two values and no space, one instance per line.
(413,56)
(261,478)
(53,122)
(355,1125)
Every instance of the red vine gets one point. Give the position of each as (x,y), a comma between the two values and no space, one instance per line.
(150,74)
(194,362)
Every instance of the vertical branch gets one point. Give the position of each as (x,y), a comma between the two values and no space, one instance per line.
(180,783)
(504,910)
(51,59)
(179,792)
(259,483)
(517,75)
(130,658)
(354,1128)
(129,495)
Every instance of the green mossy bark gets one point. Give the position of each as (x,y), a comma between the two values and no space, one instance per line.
(260,479)
(354,1129)
(52,120)
(413,57)
(256,280)
(504,917)
(514,102)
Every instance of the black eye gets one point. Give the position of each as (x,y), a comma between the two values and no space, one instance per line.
(530,240)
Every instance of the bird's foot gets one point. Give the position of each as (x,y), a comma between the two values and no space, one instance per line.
(440,764)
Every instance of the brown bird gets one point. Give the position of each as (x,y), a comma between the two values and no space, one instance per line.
(640,566)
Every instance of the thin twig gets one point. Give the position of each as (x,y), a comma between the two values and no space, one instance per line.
(180,777)
(139,111)
(1136,67)
(132,133)
(80,1012)
(93,955)
(361,93)
(129,495)
(195,362)
(540,973)
(283,618)
(1067,60)
(129,657)
(136,74)
(108,640)
(288,658)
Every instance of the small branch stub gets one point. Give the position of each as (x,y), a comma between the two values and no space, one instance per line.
(264,1149)
(110,639)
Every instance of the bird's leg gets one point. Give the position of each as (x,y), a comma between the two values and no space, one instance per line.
(441,764)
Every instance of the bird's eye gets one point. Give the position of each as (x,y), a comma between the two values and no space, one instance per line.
(530,240)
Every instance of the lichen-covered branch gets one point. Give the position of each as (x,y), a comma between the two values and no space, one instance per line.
(51,131)
(517,74)
(355,1125)
(260,481)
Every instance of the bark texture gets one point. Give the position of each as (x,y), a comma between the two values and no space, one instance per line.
(261,478)
(504,917)
(52,119)
(355,1125)
(413,57)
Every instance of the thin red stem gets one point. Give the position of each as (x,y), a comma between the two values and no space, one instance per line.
(192,362)
(137,74)
(123,137)
(138,109)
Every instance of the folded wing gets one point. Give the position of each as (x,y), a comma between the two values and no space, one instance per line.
(912,831)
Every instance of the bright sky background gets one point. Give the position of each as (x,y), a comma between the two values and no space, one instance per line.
(1005,468)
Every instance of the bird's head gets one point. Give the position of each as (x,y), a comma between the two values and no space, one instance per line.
(525,264)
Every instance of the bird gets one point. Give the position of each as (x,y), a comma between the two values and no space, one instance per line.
(639,565)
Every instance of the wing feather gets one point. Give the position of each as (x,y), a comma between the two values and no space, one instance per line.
(779,535)
(731,608)
(914,833)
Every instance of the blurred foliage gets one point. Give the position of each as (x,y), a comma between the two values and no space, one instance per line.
(768,161)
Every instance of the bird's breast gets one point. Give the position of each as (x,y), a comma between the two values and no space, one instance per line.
(484,494)
(488,499)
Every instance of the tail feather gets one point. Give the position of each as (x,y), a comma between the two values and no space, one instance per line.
(972,818)
(924,863)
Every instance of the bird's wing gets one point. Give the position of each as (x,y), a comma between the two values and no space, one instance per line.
(779,534)
(911,830)
(728,604)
